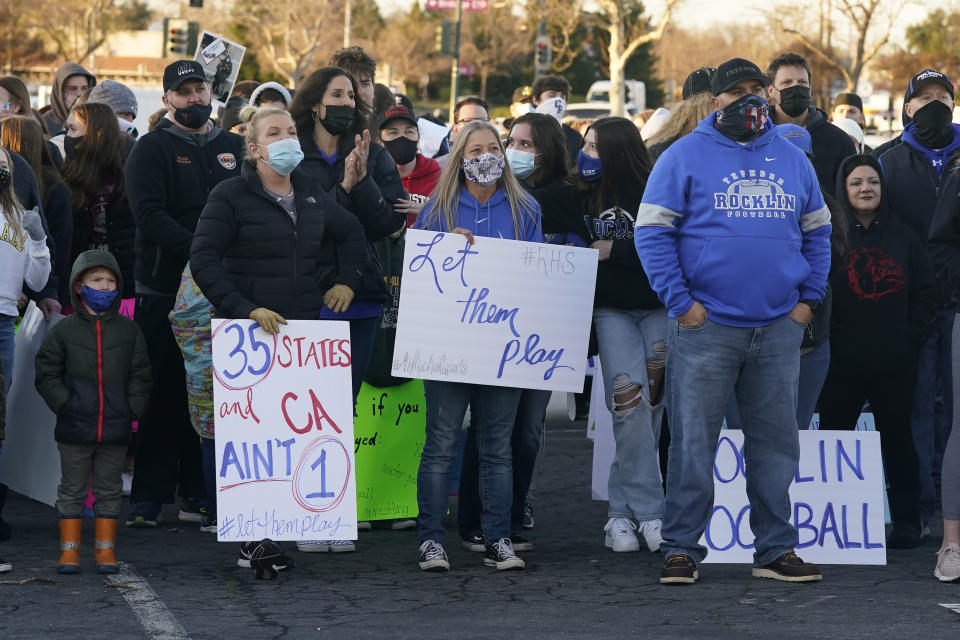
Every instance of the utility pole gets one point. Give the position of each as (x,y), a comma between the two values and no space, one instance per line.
(347,19)
(455,66)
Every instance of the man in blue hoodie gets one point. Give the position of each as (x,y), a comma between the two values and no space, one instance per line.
(916,171)
(735,238)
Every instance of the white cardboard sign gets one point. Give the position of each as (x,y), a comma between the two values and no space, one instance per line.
(284,431)
(836,500)
(498,312)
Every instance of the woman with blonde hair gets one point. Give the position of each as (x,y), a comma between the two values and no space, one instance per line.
(684,117)
(477,195)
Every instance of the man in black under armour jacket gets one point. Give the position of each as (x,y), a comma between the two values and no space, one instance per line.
(790,76)
(916,171)
(169,175)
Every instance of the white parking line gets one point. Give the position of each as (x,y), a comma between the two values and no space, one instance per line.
(150,610)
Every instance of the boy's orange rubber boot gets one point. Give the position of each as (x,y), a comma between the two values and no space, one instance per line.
(105,532)
(69,561)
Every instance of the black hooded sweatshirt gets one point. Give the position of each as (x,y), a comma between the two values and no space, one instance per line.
(884,296)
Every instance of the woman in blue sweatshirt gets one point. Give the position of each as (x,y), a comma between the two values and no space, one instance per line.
(476,196)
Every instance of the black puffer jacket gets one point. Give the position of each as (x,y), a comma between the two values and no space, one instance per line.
(247,252)
(93,371)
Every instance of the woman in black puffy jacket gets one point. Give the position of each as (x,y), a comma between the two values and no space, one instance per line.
(264,236)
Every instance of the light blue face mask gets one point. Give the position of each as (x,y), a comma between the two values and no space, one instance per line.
(522,163)
(285,155)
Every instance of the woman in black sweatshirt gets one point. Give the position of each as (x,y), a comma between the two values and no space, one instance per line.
(883,302)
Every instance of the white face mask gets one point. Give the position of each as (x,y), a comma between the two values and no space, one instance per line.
(553,107)
(125,125)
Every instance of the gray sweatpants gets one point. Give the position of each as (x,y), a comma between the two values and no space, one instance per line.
(75,469)
(950,475)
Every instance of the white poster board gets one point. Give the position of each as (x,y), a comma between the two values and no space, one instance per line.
(836,497)
(600,430)
(284,431)
(30,463)
(220,59)
(498,312)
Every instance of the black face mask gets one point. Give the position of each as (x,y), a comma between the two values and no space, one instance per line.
(338,120)
(194,116)
(795,100)
(403,150)
(70,145)
(933,125)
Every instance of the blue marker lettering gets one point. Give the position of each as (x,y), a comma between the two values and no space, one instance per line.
(423,259)
(842,455)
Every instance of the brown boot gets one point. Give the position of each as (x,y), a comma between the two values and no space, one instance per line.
(69,561)
(105,532)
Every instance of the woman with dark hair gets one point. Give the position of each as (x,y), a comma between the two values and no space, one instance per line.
(362,177)
(884,299)
(14,98)
(24,135)
(629,320)
(536,154)
(96,152)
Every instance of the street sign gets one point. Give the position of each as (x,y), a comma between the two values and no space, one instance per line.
(451,5)
(466,69)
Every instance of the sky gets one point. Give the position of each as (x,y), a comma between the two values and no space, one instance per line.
(707,13)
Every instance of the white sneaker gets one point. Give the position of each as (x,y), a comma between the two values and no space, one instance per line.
(620,536)
(650,529)
(948,564)
(364,525)
(322,546)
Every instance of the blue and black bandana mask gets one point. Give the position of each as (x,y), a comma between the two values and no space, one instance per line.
(744,119)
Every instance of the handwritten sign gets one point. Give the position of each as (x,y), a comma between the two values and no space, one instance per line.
(389,433)
(284,431)
(836,497)
(498,312)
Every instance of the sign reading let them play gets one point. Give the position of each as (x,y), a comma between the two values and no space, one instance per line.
(284,431)
(497,312)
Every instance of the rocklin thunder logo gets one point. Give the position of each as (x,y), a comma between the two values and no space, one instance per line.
(753,193)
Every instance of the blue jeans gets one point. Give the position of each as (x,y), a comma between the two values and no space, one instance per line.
(494,411)
(6,350)
(813,371)
(631,344)
(704,366)
(933,377)
(525,445)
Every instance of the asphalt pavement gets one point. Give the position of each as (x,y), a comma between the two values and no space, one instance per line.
(178,582)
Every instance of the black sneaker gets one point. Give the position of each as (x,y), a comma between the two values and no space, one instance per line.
(433,557)
(191,510)
(789,568)
(144,515)
(208,520)
(904,535)
(528,516)
(520,543)
(500,555)
(680,569)
(249,549)
(474,543)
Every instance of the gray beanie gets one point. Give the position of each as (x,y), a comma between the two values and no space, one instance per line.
(117,95)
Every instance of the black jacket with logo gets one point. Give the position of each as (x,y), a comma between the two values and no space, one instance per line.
(248,252)
(169,175)
(884,293)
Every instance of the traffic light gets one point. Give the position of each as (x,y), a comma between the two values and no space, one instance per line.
(444,37)
(180,37)
(544,53)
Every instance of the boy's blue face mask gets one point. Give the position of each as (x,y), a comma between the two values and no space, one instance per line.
(98,301)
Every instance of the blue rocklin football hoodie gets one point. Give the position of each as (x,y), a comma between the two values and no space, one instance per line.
(740,228)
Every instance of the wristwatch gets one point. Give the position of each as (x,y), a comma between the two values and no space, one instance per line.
(813,304)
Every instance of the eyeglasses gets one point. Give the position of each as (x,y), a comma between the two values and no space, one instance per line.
(466,120)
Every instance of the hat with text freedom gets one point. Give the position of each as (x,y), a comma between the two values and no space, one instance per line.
(734,71)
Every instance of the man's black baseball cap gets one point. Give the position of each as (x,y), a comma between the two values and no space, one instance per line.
(735,71)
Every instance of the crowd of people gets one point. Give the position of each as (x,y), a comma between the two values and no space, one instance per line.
(758,263)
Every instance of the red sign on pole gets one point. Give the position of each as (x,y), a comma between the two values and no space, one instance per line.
(451,5)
